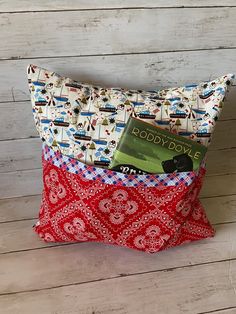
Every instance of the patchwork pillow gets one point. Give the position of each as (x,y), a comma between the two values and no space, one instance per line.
(82,200)
(85,122)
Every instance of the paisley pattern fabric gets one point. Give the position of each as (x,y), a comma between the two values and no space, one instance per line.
(85,122)
(147,218)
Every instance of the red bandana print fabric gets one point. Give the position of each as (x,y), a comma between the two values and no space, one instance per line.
(143,217)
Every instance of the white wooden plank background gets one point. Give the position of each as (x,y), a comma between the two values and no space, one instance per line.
(26,208)
(196,286)
(28,256)
(135,44)
(14,115)
(145,31)
(57,5)
(29,157)
(146,71)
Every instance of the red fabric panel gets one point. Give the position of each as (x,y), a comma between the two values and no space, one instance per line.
(150,219)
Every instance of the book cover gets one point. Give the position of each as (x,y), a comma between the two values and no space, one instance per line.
(145,148)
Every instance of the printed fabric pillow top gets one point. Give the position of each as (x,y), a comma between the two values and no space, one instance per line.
(82,200)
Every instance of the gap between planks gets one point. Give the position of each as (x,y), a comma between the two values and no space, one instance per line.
(226,310)
(33,219)
(40,168)
(31,160)
(24,183)
(118,6)
(196,289)
(151,71)
(16,209)
(122,8)
(185,254)
(14,58)
(48,245)
(29,6)
(98,23)
(119,276)
(224,216)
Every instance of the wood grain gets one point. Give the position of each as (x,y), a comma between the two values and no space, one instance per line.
(221,162)
(219,210)
(146,71)
(21,183)
(134,44)
(43,5)
(224,311)
(223,130)
(19,236)
(76,32)
(192,290)
(24,154)
(19,208)
(29,182)
(28,156)
(16,119)
(20,154)
(219,185)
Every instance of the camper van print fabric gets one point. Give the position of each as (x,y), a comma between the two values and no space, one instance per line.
(85,122)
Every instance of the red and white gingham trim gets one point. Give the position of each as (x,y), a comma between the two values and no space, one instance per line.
(108,176)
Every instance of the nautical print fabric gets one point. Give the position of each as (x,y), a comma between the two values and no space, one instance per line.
(85,122)
(112,177)
(148,218)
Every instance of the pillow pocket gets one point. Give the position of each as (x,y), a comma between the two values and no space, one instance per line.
(145,212)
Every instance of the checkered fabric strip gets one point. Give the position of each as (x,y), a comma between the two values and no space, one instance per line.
(112,177)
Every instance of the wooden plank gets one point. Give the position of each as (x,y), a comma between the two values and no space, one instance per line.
(37,265)
(29,182)
(219,185)
(229,111)
(43,5)
(224,135)
(219,210)
(117,31)
(20,183)
(19,235)
(19,208)
(224,311)
(16,235)
(16,120)
(146,71)
(221,162)
(26,153)
(20,154)
(18,116)
(187,290)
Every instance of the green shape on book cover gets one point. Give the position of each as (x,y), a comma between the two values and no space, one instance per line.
(145,148)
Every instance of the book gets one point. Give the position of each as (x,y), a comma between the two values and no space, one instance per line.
(144,148)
